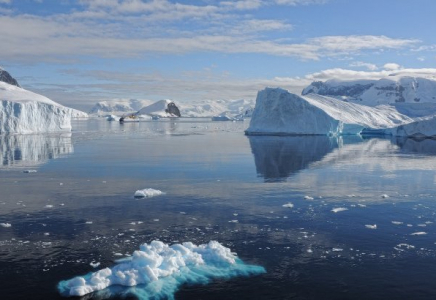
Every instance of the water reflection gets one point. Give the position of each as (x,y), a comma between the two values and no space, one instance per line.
(33,150)
(278,158)
(418,146)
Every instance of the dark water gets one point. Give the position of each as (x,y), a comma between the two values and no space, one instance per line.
(221,185)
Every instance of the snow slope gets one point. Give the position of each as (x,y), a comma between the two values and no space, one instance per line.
(119,106)
(388,90)
(23,111)
(278,112)
(158,109)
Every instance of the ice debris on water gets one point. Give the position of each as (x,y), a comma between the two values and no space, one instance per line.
(308,198)
(397,222)
(419,233)
(384,196)
(288,205)
(371,226)
(5,225)
(94,264)
(339,209)
(147,193)
(30,171)
(160,269)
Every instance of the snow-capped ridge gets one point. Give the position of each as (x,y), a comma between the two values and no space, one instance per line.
(119,106)
(397,88)
(6,77)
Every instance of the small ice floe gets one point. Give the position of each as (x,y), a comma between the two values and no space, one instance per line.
(402,246)
(235,215)
(397,222)
(339,209)
(5,225)
(337,249)
(155,220)
(384,196)
(147,193)
(46,233)
(30,171)
(94,264)
(233,221)
(288,205)
(308,198)
(371,226)
(309,250)
(419,233)
(88,222)
(49,206)
(361,205)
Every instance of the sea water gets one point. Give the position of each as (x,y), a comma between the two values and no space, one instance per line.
(326,217)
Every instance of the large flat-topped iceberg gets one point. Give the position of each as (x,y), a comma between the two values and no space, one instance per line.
(23,111)
(278,112)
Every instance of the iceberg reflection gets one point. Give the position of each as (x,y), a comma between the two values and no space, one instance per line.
(33,150)
(277,158)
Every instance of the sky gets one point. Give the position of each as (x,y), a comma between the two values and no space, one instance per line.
(81,52)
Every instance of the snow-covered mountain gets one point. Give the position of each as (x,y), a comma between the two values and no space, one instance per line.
(161,108)
(23,111)
(211,108)
(6,77)
(279,112)
(120,106)
(388,90)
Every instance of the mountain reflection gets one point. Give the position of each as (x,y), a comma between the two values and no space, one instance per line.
(33,150)
(418,146)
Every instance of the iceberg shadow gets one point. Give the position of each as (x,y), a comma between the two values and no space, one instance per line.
(277,158)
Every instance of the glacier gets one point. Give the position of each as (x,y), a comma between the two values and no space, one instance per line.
(157,270)
(279,112)
(119,106)
(24,112)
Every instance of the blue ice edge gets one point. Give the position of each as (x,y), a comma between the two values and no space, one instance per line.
(165,287)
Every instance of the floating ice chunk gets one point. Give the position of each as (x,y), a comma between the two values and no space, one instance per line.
(384,196)
(5,225)
(339,209)
(419,233)
(407,246)
(94,264)
(160,269)
(337,249)
(288,205)
(30,171)
(308,198)
(397,222)
(49,206)
(371,226)
(147,193)
(233,221)
(88,222)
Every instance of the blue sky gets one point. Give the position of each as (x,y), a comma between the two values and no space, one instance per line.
(84,51)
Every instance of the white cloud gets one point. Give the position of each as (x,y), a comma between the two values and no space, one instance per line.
(300,2)
(369,66)
(392,66)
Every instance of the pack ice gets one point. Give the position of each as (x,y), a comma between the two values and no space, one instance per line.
(23,111)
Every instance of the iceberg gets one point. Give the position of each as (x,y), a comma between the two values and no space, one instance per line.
(279,112)
(26,112)
(157,269)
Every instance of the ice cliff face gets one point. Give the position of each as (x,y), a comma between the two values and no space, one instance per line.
(392,89)
(279,112)
(22,111)
(6,77)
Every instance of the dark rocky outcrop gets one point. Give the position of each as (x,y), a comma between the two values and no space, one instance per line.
(173,109)
(6,77)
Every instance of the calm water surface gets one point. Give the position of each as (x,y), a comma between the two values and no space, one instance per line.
(220,185)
